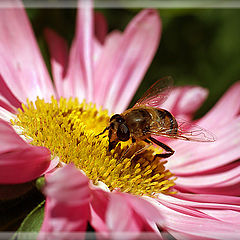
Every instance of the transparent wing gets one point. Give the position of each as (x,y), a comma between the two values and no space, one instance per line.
(185,131)
(157,93)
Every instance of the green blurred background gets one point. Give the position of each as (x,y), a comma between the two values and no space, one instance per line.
(198,46)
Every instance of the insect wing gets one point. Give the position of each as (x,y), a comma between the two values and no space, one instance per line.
(185,131)
(157,93)
(192,132)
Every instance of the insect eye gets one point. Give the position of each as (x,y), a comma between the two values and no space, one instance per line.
(118,118)
(123,133)
(115,116)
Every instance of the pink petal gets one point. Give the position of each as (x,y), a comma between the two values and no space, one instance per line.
(11,80)
(184,101)
(224,180)
(127,215)
(211,221)
(4,104)
(59,59)
(139,215)
(231,189)
(123,70)
(143,208)
(79,74)
(19,45)
(52,166)
(108,52)
(231,216)
(203,201)
(67,204)
(223,121)
(68,179)
(100,24)
(225,109)
(99,204)
(97,51)
(7,96)
(120,217)
(188,225)
(6,115)
(216,178)
(19,161)
(191,158)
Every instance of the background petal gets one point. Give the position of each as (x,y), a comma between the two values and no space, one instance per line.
(119,77)
(59,59)
(183,102)
(79,73)
(100,27)
(8,97)
(18,45)
(225,109)
(108,52)
(6,115)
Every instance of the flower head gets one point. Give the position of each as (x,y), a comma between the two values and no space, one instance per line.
(69,129)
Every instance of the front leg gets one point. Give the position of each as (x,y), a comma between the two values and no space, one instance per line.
(105,129)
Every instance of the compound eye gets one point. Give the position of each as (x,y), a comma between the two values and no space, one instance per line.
(118,118)
(123,133)
(115,116)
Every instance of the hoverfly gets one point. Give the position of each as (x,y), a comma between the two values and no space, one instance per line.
(144,120)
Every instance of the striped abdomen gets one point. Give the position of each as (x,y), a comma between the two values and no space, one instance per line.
(167,121)
(144,121)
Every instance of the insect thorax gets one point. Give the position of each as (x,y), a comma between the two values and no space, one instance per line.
(138,120)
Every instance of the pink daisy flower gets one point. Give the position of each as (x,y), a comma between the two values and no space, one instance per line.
(91,185)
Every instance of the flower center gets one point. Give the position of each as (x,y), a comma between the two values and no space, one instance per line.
(69,130)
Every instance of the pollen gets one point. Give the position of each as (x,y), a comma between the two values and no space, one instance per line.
(69,128)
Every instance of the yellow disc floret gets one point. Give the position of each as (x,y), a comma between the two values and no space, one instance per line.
(69,128)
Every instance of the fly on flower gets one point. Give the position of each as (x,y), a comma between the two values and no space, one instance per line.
(145,119)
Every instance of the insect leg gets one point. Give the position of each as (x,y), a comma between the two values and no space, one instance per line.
(137,152)
(133,142)
(107,128)
(144,148)
(169,152)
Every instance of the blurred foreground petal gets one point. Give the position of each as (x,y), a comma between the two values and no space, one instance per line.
(19,161)
(67,203)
